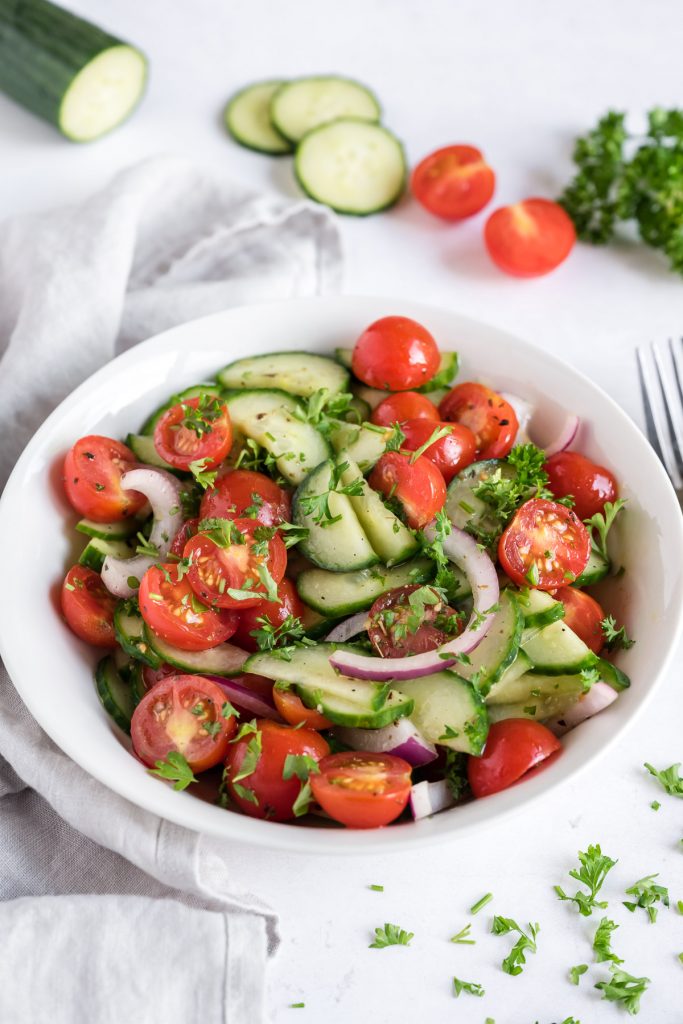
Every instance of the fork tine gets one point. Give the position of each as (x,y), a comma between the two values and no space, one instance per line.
(676,350)
(672,404)
(655,414)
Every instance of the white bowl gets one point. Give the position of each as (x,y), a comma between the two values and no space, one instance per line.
(52,670)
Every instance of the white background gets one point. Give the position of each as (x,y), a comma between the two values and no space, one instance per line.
(519,80)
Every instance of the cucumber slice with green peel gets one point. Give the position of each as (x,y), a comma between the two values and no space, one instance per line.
(556,650)
(338,594)
(142,447)
(195,391)
(538,708)
(247,118)
(96,550)
(446,373)
(351,166)
(612,675)
(359,411)
(465,509)
(129,629)
(596,570)
(224,660)
(363,444)
(517,668)
(137,683)
(114,692)
(373,396)
(270,418)
(390,539)
(296,373)
(304,104)
(109,531)
(497,651)
(66,70)
(342,544)
(448,710)
(530,688)
(539,608)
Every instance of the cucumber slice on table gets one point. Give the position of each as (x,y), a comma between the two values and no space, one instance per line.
(297,373)
(247,118)
(142,447)
(114,692)
(448,710)
(109,531)
(351,166)
(497,651)
(363,444)
(224,660)
(389,538)
(343,593)
(596,570)
(195,391)
(130,633)
(304,104)
(557,650)
(96,550)
(341,545)
(464,508)
(67,70)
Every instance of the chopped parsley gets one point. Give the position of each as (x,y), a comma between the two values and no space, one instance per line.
(174,769)
(435,436)
(200,417)
(526,943)
(576,972)
(624,989)
(301,766)
(471,987)
(516,479)
(602,942)
(648,893)
(616,637)
(669,778)
(290,633)
(391,935)
(481,903)
(601,523)
(462,939)
(317,506)
(252,754)
(376,888)
(204,477)
(455,774)
(223,532)
(594,868)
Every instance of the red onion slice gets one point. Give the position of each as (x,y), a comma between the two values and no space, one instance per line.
(246,698)
(428,798)
(163,492)
(343,631)
(523,412)
(565,437)
(464,551)
(400,738)
(599,697)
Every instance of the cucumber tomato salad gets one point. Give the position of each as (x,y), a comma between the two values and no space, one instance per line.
(348,588)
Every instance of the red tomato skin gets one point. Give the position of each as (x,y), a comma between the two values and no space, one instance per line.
(524,536)
(530,238)
(153,742)
(234,492)
(290,604)
(180,446)
(513,747)
(583,615)
(453,182)
(175,622)
(487,414)
(344,791)
(295,712)
(449,454)
(88,607)
(590,485)
(275,795)
(186,531)
(405,405)
(395,353)
(232,566)
(427,637)
(419,485)
(92,479)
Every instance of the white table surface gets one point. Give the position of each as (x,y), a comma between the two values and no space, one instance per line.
(519,80)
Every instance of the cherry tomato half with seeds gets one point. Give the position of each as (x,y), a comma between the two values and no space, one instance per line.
(362,790)
(491,419)
(417,485)
(529,238)
(451,453)
(545,546)
(274,612)
(235,562)
(395,354)
(590,485)
(584,616)
(513,747)
(92,479)
(170,608)
(196,429)
(295,712)
(88,607)
(242,491)
(183,713)
(404,405)
(453,182)
(255,765)
(411,620)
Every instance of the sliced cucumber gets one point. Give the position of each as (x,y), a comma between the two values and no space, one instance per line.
(224,660)
(341,545)
(137,682)
(465,509)
(359,411)
(517,668)
(109,531)
(530,688)
(247,118)
(306,103)
(114,693)
(195,391)
(130,633)
(448,710)
(317,626)
(539,608)
(373,396)
(557,650)
(343,593)
(362,444)
(596,570)
(142,447)
(448,369)
(538,708)
(496,652)
(390,539)
(96,550)
(297,373)
(269,417)
(612,675)
(351,166)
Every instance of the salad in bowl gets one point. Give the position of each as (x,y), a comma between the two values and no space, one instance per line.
(344,588)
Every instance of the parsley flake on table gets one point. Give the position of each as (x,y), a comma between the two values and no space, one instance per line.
(648,894)
(602,942)
(670,778)
(481,903)
(376,888)
(391,935)
(461,939)
(174,769)
(576,972)
(624,989)
(471,987)
(516,959)
(594,868)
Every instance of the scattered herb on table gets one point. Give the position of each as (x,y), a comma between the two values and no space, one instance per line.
(391,935)
(670,778)
(472,987)
(602,942)
(462,937)
(576,972)
(648,893)
(515,960)
(480,904)
(376,888)
(594,868)
(624,989)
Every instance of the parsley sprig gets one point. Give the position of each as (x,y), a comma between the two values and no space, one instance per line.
(648,893)
(473,988)
(302,766)
(616,637)
(317,506)
(594,868)
(526,943)
(391,935)
(601,523)
(624,989)
(669,778)
(602,942)
(174,769)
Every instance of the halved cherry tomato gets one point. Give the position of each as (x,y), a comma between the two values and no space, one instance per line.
(583,615)
(215,570)
(295,712)
(196,429)
(92,479)
(182,713)
(405,405)
(513,747)
(187,530)
(590,485)
(88,607)
(241,490)
(262,792)
(362,790)
(545,546)
(529,238)
(453,182)
(395,354)
(170,608)
(398,628)
(418,485)
(449,454)
(491,419)
(274,612)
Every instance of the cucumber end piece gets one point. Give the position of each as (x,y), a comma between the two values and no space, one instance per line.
(103,93)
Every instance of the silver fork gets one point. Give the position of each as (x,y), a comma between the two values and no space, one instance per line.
(660,369)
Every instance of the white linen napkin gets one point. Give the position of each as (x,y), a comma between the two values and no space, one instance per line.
(108,909)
